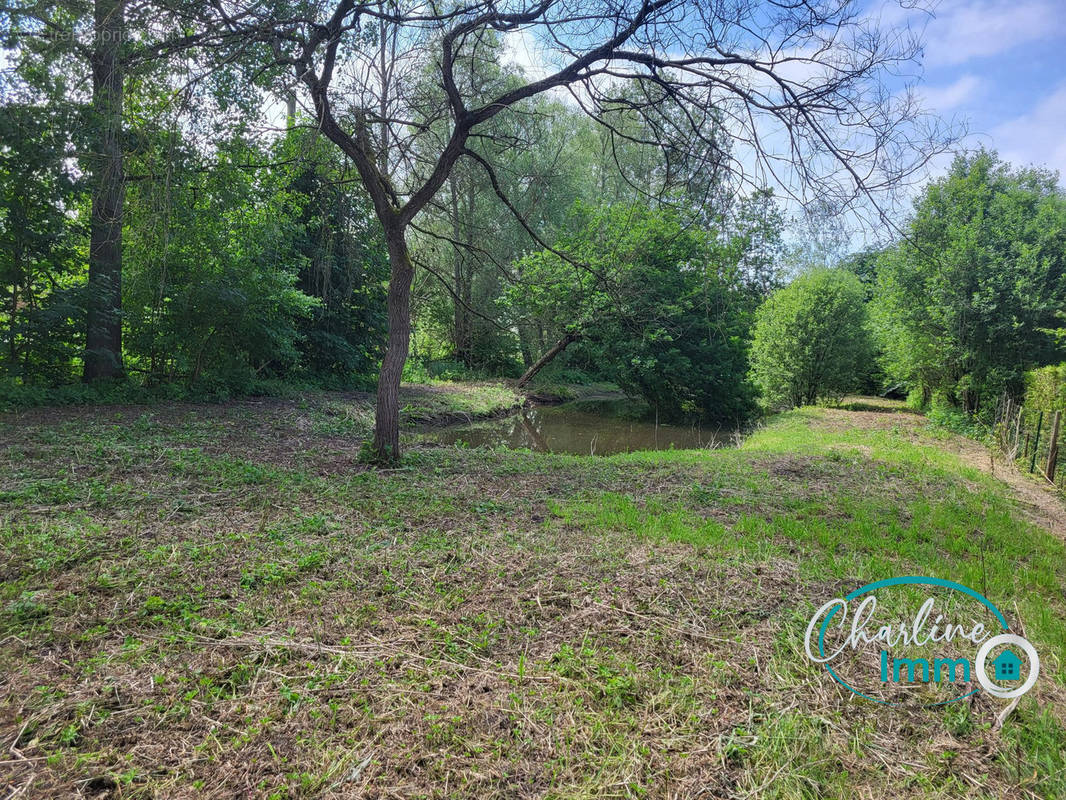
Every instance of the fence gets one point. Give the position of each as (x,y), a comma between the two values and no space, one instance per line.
(1031,438)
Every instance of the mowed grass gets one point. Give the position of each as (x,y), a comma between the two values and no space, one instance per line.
(221,601)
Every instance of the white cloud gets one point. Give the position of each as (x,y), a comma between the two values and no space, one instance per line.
(521,48)
(962,30)
(947,98)
(1036,137)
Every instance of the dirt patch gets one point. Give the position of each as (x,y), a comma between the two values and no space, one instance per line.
(795,467)
(1039,502)
(844,419)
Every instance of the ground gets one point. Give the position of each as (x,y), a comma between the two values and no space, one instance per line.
(222,601)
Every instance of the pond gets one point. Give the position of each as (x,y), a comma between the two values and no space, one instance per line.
(573,428)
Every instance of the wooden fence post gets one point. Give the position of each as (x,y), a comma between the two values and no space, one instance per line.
(1017,434)
(1004,425)
(1053,450)
(1036,441)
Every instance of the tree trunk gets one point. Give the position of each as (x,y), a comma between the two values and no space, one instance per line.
(103,342)
(13,325)
(546,359)
(386,447)
(290,110)
(523,345)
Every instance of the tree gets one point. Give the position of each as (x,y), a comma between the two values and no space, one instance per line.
(72,37)
(39,266)
(963,303)
(343,262)
(656,306)
(213,262)
(112,41)
(810,340)
(813,74)
(103,340)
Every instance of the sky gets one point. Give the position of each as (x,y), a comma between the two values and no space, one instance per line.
(999,66)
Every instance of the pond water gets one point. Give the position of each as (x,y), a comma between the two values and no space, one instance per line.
(571,429)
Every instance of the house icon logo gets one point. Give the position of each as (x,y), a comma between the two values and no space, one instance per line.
(1007,665)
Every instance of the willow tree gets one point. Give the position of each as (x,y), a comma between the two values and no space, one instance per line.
(800,89)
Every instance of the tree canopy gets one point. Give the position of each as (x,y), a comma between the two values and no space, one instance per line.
(810,339)
(965,304)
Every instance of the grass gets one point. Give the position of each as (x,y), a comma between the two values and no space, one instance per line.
(220,601)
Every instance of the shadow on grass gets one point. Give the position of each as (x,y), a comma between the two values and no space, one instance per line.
(879,408)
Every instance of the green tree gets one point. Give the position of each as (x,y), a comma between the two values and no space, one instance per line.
(342,261)
(810,340)
(653,304)
(963,305)
(212,261)
(39,271)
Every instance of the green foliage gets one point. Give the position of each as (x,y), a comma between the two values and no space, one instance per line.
(16,395)
(1045,388)
(233,276)
(810,340)
(41,301)
(463,313)
(211,268)
(243,263)
(474,308)
(945,415)
(343,265)
(964,305)
(660,308)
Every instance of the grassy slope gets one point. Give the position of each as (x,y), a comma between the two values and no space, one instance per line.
(213,601)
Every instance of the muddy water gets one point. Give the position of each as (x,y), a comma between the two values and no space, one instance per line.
(566,429)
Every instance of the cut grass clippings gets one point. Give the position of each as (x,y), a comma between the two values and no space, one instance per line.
(220,601)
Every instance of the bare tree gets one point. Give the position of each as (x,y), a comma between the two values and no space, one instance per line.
(798,87)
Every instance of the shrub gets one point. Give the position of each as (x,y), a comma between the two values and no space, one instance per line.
(811,340)
(1045,388)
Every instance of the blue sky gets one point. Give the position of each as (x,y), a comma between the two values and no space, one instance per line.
(996,67)
(1000,67)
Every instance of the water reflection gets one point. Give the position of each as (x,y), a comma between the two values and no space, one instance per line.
(564,429)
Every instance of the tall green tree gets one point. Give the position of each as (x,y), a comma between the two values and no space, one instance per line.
(963,303)
(103,339)
(40,318)
(213,262)
(342,265)
(99,47)
(652,303)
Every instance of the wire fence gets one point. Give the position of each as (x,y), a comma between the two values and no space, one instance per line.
(1031,438)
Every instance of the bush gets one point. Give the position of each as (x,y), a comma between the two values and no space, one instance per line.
(119,391)
(944,414)
(1045,388)
(811,340)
